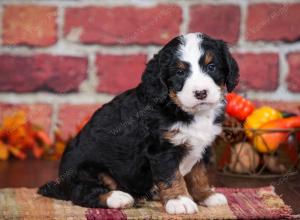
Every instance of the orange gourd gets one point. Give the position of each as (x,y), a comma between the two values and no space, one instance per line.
(268,141)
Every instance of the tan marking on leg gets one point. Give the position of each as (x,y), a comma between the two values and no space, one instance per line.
(103,198)
(172,190)
(197,183)
(108,181)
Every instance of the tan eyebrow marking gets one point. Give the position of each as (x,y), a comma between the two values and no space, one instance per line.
(208,57)
(181,65)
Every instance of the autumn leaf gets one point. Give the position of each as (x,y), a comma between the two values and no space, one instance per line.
(4,153)
(43,136)
(37,151)
(18,136)
(17,153)
(10,124)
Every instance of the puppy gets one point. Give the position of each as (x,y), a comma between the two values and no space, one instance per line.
(154,134)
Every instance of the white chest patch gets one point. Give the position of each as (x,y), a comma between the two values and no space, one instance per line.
(198,135)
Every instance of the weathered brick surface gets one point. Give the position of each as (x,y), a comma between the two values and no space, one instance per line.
(293,78)
(34,57)
(222,21)
(39,114)
(41,73)
(258,71)
(273,22)
(123,25)
(29,24)
(119,73)
(72,116)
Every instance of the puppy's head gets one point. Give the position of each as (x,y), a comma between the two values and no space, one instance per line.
(191,70)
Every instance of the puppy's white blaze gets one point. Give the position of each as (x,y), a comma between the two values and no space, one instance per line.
(191,52)
(181,205)
(119,199)
(215,200)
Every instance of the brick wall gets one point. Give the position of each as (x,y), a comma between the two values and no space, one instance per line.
(60,60)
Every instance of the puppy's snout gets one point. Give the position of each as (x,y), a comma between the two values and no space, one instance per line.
(200,94)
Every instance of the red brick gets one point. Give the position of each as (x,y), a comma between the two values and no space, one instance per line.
(293,78)
(72,116)
(39,114)
(258,71)
(29,24)
(41,73)
(273,22)
(293,107)
(222,21)
(119,73)
(123,25)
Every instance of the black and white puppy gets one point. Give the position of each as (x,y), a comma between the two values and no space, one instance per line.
(154,134)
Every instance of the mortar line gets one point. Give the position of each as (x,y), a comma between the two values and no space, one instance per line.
(67,48)
(273,96)
(185,7)
(60,21)
(243,19)
(109,3)
(90,84)
(54,120)
(42,97)
(1,24)
(283,72)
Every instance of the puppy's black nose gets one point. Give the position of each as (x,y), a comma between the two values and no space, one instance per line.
(200,94)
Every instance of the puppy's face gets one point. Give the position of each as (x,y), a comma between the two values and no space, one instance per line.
(197,73)
(193,70)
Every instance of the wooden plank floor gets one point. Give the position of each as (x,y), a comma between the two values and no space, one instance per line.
(33,173)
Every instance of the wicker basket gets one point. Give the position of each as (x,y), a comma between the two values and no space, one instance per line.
(236,154)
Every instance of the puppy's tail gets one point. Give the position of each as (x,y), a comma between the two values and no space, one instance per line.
(55,189)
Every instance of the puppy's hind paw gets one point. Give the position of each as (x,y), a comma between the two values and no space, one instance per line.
(215,200)
(119,199)
(181,205)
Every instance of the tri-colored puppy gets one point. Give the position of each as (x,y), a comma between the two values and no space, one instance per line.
(154,134)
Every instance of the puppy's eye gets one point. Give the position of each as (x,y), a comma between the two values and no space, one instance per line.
(180,72)
(211,67)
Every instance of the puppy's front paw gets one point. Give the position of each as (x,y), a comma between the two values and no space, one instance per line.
(181,205)
(119,199)
(215,200)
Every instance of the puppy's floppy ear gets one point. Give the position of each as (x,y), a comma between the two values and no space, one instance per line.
(152,82)
(232,69)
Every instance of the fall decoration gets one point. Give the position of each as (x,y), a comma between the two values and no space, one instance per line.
(257,142)
(273,164)
(233,131)
(20,138)
(238,107)
(269,141)
(259,117)
(244,159)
